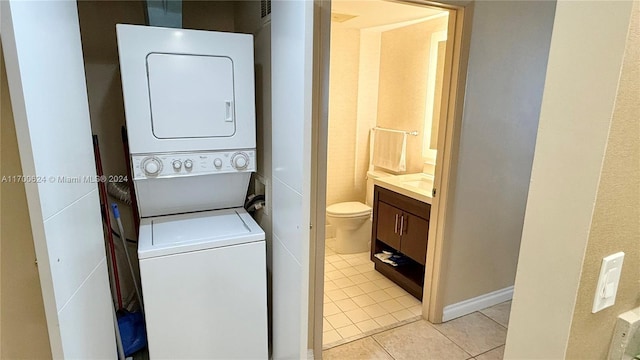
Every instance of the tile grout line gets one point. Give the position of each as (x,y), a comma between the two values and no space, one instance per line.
(353,263)
(375,332)
(490,318)
(347,265)
(489,350)
(448,338)
(472,356)
(382,346)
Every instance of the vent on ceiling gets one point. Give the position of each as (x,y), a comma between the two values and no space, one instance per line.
(340,18)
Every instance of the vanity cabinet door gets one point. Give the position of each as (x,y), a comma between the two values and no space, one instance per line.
(388,228)
(414,232)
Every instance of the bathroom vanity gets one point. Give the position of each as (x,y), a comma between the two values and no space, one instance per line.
(401,225)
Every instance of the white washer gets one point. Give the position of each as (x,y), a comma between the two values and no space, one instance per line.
(204,289)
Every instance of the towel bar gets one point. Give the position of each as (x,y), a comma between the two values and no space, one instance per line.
(412,133)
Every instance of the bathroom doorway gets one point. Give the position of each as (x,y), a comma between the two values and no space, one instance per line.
(389,81)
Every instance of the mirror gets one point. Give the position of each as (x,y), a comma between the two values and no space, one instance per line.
(434,94)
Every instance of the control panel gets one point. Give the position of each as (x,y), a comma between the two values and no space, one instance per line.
(168,165)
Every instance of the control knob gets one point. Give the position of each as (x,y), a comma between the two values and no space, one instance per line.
(240,161)
(151,166)
(188,164)
(217,163)
(177,164)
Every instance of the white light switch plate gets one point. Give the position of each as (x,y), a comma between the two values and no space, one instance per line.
(608,282)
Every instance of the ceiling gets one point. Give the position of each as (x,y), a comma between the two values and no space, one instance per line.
(370,13)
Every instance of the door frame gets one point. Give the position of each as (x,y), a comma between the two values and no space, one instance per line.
(459,29)
(319,136)
(455,70)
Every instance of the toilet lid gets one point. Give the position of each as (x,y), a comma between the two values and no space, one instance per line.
(346,209)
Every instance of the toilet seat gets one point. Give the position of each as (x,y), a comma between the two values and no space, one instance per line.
(349,209)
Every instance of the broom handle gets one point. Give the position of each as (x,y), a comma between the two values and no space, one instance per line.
(116,214)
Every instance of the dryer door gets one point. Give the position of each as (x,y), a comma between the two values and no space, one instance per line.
(191,96)
(187,90)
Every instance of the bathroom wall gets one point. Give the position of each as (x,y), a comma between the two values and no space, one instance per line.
(584,196)
(343,106)
(23,326)
(505,80)
(373,75)
(404,64)
(368,82)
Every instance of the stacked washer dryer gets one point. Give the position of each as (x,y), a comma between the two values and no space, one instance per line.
(190,113)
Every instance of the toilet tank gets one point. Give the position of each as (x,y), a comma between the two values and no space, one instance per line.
(373,174)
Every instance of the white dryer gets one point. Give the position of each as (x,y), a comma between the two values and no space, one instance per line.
(189,104)
(190,110)
(187,89)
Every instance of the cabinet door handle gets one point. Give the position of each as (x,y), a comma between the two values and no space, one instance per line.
(401,224)
(395,228)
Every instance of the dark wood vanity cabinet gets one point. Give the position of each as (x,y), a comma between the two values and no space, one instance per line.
(401,225)
(387,225)
(414,233)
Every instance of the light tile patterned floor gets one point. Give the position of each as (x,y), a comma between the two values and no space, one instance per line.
(479,336)
(359,301)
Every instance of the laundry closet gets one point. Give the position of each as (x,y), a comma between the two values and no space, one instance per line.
(189,100)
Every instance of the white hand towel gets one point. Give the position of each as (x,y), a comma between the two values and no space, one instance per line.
(390,149)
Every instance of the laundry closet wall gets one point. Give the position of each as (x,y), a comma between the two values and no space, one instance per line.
(23,326)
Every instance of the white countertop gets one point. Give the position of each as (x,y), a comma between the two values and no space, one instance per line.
(416,186)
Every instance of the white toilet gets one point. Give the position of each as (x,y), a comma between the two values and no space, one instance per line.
(352,220)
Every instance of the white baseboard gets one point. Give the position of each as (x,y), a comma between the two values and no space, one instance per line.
(468,306)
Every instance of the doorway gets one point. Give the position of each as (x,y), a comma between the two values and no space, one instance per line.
(378,78)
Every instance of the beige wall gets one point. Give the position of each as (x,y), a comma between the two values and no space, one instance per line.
(23,327)
(505,78)
(616,218)
(368,83)
(208,15)
(343,105)
(371,84)
(404,65)
(583,198)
